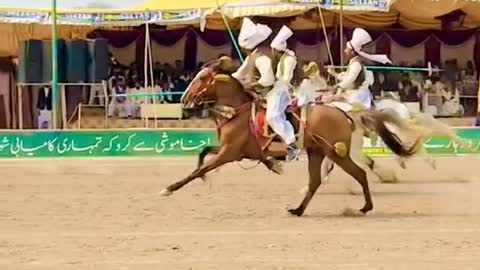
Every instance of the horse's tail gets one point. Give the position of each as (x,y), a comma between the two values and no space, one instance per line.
(377,121)
(435,128)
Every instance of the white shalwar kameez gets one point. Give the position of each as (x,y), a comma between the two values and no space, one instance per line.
(278,99)
(360,38)
(360,95)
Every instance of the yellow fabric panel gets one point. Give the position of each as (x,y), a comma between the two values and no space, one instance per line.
(420,14)
(183,4)
(14,33)
(426,8)
(274,8)
(370,20)
(302,23)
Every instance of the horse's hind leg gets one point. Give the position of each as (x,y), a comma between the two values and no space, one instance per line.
(326,169)
(206,151)
(315,158)
(220,159)
(360,175)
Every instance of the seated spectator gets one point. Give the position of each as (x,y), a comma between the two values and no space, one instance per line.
(451,101)
(158,89)
(120,104)
(379,85)
(117,75)
(167,88)
(470,82)
(178,69)
(408,92)
(179,86)
(139,98)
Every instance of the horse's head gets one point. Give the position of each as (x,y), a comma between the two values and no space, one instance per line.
(203,88)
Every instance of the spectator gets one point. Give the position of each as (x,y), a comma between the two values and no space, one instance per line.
(116,76)
(167,88)
(451,101)
(179,86)
(470,83)
(139,99)
(403,81)
(159,72)
(379,85)
(178,69)
(451,70)
(120,103)
(168,69)
(471,69)
(158,89)
(408,92)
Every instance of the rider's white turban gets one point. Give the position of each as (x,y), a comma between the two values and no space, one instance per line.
(361,38)
(279,43)
(252,34)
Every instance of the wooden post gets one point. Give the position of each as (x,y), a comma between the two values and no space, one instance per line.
(63,105)
(20,107)
(79,121)
(478,99)
(106,101)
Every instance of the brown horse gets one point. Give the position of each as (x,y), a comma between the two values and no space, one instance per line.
(328,132)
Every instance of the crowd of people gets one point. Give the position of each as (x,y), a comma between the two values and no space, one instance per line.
(126,86)
(450,92)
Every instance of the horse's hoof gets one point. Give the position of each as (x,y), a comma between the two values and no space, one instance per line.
(296,212)
(276,166)
(165,192)
(277,169)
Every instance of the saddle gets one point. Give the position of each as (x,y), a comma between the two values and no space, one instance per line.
(262,128)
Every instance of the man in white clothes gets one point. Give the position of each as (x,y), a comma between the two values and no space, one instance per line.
(355,81)
(138,96)
(119,102)
(278,99)
(309,89)
(256,72)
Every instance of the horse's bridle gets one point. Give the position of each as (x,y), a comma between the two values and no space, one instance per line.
(207,83)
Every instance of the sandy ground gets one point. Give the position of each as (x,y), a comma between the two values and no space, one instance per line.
(106,214)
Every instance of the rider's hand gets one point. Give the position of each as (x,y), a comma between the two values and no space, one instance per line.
(253,85)
(331,71)
(332,89)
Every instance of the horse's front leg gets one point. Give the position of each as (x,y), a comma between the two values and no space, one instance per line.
(205,152)
(220,159)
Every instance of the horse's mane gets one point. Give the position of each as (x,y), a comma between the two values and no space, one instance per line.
(217,66)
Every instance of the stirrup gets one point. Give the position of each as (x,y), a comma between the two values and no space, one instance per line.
(292,153)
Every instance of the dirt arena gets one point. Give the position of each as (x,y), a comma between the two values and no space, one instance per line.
(106,214)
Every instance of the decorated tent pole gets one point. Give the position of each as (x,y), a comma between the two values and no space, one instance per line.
(54,64)
(231,34)
(341,32)
(325,34)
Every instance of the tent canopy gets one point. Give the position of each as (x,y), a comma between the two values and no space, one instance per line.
(21,23)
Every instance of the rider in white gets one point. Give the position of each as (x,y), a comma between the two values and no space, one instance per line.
(278,99)
(257,63)
(311,85)
(356,80)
